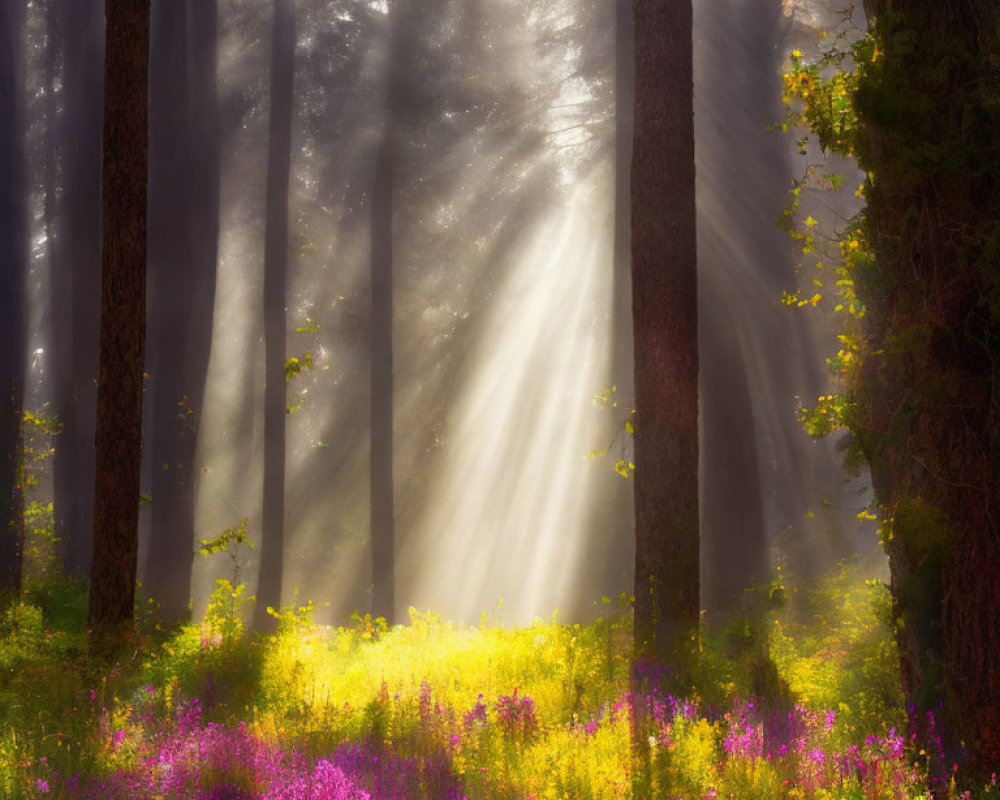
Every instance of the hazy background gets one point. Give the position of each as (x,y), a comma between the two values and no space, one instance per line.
(510,297)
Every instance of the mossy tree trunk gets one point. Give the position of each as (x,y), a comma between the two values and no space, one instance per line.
(929,391)
(123,323)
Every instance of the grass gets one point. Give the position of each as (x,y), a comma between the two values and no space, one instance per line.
(436,710)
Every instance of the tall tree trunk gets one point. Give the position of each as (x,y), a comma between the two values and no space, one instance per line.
(13,267)
(382,515)
(929,392)
(76,288)
(622,346)
(123,322)
(183,250)
(275,275)
(665,320)
(382,508)
(622,367)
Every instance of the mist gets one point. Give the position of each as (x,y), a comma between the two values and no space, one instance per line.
(422,204)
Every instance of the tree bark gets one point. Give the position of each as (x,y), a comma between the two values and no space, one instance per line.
(665,324)
(13,268)
(929,392)
(275,276)
(123,323)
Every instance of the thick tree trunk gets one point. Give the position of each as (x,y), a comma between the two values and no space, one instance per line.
(665,320)
(183,249)
(123,322)
(13,268)
(76,288)
(929,393)
(275,275)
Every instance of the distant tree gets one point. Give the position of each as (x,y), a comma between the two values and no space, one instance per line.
(123,322)
(77,29)
(183,250)
(382,489)
(13,267)
(665,325)
(622,356)
(275,276)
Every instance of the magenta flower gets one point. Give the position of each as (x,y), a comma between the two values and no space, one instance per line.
(477,714)
(517,714)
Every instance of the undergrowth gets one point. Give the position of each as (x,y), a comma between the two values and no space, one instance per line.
(432,709)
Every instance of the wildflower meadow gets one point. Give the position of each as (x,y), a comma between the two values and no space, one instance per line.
(441,711)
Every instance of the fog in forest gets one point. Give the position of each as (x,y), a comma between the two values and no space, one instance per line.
(417,213)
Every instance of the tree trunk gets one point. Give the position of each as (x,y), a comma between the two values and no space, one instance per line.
(123,323)
(183,250)
(929,392)
(13,267)
(382,492)
(76,288)
(275,275)
(622,345)
(665,324)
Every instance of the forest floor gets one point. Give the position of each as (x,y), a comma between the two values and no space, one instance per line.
(441,711)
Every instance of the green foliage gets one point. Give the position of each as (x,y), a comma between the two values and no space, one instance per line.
(299,364)
(835,647)
(608,399)
(229,598)
(819,92)
(187,416)
(228,541)
(309,326)
(434,689)
(296,364)
(41,562)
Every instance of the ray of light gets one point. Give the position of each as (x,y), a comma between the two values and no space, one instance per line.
(509,503)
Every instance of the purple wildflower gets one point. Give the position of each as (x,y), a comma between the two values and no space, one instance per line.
(477,714)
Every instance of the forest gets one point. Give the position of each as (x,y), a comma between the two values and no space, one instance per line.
(499,399)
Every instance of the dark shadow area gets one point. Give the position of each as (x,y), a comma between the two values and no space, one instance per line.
(13,271)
